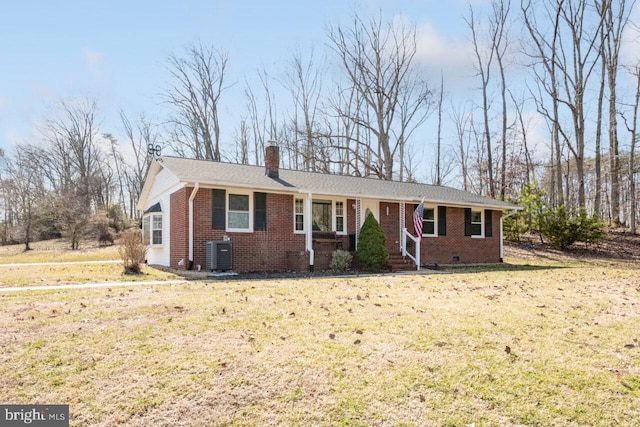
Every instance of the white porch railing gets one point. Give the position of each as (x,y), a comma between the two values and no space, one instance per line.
(416,240)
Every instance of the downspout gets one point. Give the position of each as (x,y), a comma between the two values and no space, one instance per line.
(309,230)
(502,233)
(191,198)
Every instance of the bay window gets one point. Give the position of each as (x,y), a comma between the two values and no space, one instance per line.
(152,229)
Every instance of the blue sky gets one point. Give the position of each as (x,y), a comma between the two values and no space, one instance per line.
(115,51)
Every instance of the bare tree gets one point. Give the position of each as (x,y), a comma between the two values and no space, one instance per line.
(518,105)
(195,93)
(72,160)
(569,55)
(141,134)
(242,143)
(597,200)
(263,124)
(501,44)
(378,61)
(304,82)
(483,69)
(632,154)
(615,17)
(438,180)
(461,119)
(632,168)
(23,188)
(545,42)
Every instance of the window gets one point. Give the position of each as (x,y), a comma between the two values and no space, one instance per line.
(442,220)
(259,211)
(340,217)
(299,214)
(321,215)
(429,222)
(326,215)
(238,216)
(476,223)
(218,209)
(238,212)
(152,229)
(473,221)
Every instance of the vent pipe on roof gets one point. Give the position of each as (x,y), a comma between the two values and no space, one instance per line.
(272,160)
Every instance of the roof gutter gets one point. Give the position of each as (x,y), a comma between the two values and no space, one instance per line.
(196,187)
(415,200)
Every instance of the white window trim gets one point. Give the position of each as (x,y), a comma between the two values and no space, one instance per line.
(334,216)
(231,192)
(334,221)
(435,221)
(304,213)
(152,229)
(481,235)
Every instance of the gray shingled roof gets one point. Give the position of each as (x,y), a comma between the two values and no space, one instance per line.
(209,173)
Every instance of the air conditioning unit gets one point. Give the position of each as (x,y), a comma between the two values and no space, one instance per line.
(219,255)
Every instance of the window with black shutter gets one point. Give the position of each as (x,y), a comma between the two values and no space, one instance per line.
(488,226)
(442,220)
(218,206)
(260,211)
(467,222)
(473,223)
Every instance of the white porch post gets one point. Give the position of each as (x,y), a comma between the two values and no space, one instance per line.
(308,226)
(402,227)
(358,221)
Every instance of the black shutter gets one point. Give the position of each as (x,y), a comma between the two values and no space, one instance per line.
(259,211)
(488,225)
(442,220)
(218,209)
(467,222)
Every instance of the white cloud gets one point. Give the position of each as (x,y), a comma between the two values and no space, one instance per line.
(631,38)
(454,56)
(96,63)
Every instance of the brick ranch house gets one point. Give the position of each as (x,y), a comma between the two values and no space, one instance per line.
(285,220)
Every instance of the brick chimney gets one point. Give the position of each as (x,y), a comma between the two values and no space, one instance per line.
(272,161)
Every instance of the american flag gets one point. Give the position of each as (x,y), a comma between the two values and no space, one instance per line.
(417,219)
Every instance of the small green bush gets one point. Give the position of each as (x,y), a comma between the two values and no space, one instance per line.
(562,231)
(340,261)
(528,220)
(372,252)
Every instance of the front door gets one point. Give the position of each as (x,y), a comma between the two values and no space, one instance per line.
(369,205)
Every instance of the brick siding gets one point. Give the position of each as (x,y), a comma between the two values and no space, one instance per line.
(258,251)
(280,249)
(179,217)
(390,225)
(467,249)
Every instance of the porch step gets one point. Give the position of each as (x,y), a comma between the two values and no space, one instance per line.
(399,263)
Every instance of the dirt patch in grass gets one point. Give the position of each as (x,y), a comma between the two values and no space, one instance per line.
(528,346)
(617,245)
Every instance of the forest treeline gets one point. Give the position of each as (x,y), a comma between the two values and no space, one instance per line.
(554,112)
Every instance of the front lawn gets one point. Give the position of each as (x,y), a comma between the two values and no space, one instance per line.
(535,343)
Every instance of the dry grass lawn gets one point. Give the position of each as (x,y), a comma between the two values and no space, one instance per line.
(51,263)
(534,342)
(56,251)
